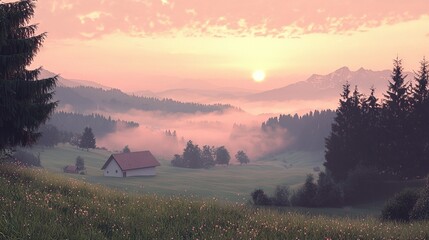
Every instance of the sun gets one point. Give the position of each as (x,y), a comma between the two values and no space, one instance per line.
(258,76)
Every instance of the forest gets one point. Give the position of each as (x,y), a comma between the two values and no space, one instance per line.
(308,132)
(84,99)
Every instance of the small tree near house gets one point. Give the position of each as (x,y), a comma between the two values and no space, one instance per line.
(80,163)
(126,149)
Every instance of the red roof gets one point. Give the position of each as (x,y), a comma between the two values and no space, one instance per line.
(133,160)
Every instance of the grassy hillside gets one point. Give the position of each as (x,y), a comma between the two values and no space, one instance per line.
(232,183)
(36,204)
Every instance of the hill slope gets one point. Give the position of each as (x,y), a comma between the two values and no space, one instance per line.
(39,205)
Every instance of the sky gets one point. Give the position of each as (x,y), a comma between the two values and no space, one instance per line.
(152,44)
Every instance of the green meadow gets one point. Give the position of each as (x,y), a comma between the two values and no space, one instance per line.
(37,204)
(230,183)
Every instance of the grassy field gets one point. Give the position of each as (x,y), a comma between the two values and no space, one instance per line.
(36,204)
(230,183)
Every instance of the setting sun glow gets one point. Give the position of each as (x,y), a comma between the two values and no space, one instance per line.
(258,76)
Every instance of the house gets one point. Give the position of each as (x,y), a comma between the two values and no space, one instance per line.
(70,169)
(130,164)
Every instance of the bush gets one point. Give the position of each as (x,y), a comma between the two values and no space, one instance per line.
(328,193)
(26,158)
(361,184)
(420,210)
(260,198)
(281,196)
(399,207)
(305,196)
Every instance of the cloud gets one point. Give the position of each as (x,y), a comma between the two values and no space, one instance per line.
(275,18)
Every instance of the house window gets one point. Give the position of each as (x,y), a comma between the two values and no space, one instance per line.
(116,171)
(107,171)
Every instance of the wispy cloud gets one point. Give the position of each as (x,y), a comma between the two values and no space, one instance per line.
(275,18)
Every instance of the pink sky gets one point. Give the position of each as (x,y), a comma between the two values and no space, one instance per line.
(144,44)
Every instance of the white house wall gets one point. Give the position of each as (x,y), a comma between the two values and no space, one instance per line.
(142,172)
(113,170)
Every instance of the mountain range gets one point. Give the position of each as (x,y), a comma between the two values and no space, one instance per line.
(319,87)
(316,87)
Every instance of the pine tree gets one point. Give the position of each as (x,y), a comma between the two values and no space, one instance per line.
(80,163)
(396,128)
(420,90)
(397,101)
(88,140)
(25,100)
(342,145)
(420,120)
(371,120)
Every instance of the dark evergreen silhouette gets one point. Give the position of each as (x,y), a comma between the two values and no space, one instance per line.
(242,157)
(390,137)
(419,119)
(396,128)
(25,100)
(342,151)
(87,140)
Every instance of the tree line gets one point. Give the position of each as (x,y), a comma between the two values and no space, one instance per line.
(75,122)
(390,135)
(307,131)
(371,141)
(195,157)
(89,98)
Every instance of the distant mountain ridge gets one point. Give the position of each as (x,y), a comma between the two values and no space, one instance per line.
(329,86)
(88,99)
(63,82)
(86,96)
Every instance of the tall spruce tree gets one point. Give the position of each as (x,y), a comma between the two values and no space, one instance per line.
(88,140)
(370,131)
(342,145)
(420,90)
(25,100)
(396,128)
(420,120)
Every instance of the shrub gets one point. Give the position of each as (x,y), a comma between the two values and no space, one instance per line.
(305,196)
(281,196)
(399,207)
(328,193)
(420,210)
(26,158)
(260,198)
(361,183)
